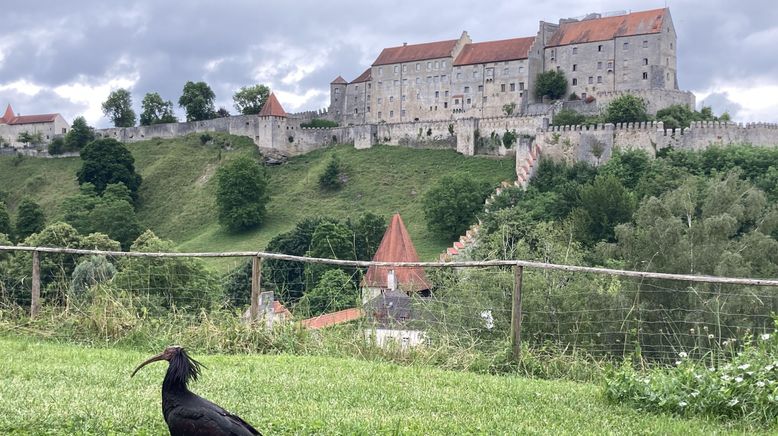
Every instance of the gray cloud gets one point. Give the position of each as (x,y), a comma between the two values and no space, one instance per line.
(299,47)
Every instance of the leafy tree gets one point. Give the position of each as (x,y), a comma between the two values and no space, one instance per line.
(241,194)
(107,161)
(330,240)
(319,122)
(57,146)
(112,213)
(551,84)
(197,101)
(509,108)
(626,109)
(29,218)
(451,205)
(5,221)
(604,204)
(156,110)
(329,180)
(118,107)
(568,117)
(680,116)
(368,231)
(28,138)
(90,272)
(250,99)
(222,113)
(334,291)
(79,135)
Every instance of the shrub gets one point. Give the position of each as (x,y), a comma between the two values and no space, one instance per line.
(626,109)
(241,194)
(107,161)
(205,138)
(319,122)
(551,84)
(29,218)
(329,180)
(5,221)
(57,146)
(90,272)
(509,138)
(334,291)
(568,117)
(451,205)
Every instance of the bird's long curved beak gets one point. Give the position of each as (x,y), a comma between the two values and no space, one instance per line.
(158,357)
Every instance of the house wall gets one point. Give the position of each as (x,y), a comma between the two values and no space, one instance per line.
(404,339)
(9,133)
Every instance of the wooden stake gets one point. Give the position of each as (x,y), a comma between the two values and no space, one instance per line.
(36,285)
(256,278)
(518,270)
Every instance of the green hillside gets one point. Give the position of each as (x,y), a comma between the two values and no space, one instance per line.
(177,194)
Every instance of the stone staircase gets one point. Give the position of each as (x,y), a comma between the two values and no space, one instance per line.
(526,166)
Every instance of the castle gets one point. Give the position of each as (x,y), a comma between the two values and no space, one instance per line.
(47,125)
(601,56)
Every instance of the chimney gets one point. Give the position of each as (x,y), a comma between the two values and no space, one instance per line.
(391,282)
(405,44)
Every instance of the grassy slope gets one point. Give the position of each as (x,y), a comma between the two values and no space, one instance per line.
(178,189)
(64,389)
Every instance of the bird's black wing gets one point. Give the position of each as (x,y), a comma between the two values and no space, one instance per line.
(234,423)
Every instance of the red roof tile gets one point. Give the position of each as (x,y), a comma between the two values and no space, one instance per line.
(9,118)
(329,319)
(364,77)
(339,81)
(280,308)
(602,29)
(396,246)
(272,108)
(494,51)
(416,52)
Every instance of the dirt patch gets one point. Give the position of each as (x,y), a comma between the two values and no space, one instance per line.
(209,171)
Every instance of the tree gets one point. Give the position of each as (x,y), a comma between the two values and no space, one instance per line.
(368,231)
(29,218)
(107,161)
(156,110)
(241,194)
(330,240)
(118,107)
(79,135)
(197,101)
(28,138)
(222,113)
(250,99)
(568,117)
(626,109)
(329,180)
(551,84)
(334,291)
(5,220)
(451,205)
(57,146)
(112,213)
(604,204)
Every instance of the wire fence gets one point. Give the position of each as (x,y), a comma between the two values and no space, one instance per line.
(480,305)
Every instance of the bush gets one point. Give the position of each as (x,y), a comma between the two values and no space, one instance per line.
(334,291)
(57,146)
(742,388)
(241,194)
(318,122)
(329,180)
(5,221)
(509,138)
(90,272)
(626,109)
(451,205)
(79,135)
(551,84)
(568,117)
(29,218)
(108,161)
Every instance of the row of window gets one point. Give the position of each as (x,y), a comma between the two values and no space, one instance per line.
(436,65)
(599,78)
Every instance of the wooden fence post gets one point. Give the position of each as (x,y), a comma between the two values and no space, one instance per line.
(35,303)
(516,312)
(256,281)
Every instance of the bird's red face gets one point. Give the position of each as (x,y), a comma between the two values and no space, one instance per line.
(169,353)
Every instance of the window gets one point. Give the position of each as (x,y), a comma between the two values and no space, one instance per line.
(405,82)
(484,99)
(405,68)
(379,100)
(368,109)
(645,61)
(575,82)
(369,85)
(446,94)
(599,79)
(396,83)
(456,101)
(402,113)
(391,99)
(475,73)
(459,76)
(599,48)
(645,43)
(356,111)
(396,69)
(337,91)
(668,76)
(429,79)
(391,114)
(599,65)
(380,71)
(626,46)
(502,87)
(380,114)
(513,87)
(418,80)
(645,76)
(436,79)
(505,71)
(583,95)
(610,65)
(575,67)
(402,98)
(443,78)
(521,86)
(418,66)
(521,69)
(445,105)
(437,94)
(429,65)
(467,89)
(468,101)
(591,79)
(418,95)
(480,88)
(442,64)
(671,46)
(575,50)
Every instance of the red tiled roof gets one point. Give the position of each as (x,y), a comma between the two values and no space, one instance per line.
(339,81)
(602,29)
(396,246)
(329,319)
(272,108)
(494,51)
(415,52)
(280,308)
(9,118)
(364,77)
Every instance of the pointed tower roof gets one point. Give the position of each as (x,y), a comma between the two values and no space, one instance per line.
(339,81)
(396,246)
(8,115)
(272,108)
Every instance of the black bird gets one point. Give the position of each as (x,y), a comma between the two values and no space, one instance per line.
(185,412)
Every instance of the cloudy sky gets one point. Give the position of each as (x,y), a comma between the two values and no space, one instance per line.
(66,57)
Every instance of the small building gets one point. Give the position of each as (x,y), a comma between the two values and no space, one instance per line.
(12,125)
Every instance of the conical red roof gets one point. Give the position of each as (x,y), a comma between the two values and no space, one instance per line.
(339,81)
(8,115)
(272,108)
(396,246)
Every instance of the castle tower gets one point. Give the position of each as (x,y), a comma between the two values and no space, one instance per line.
(338,98)
(7,116)
(272,124)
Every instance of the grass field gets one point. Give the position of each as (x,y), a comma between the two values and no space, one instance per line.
(177,194)
(48,388)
